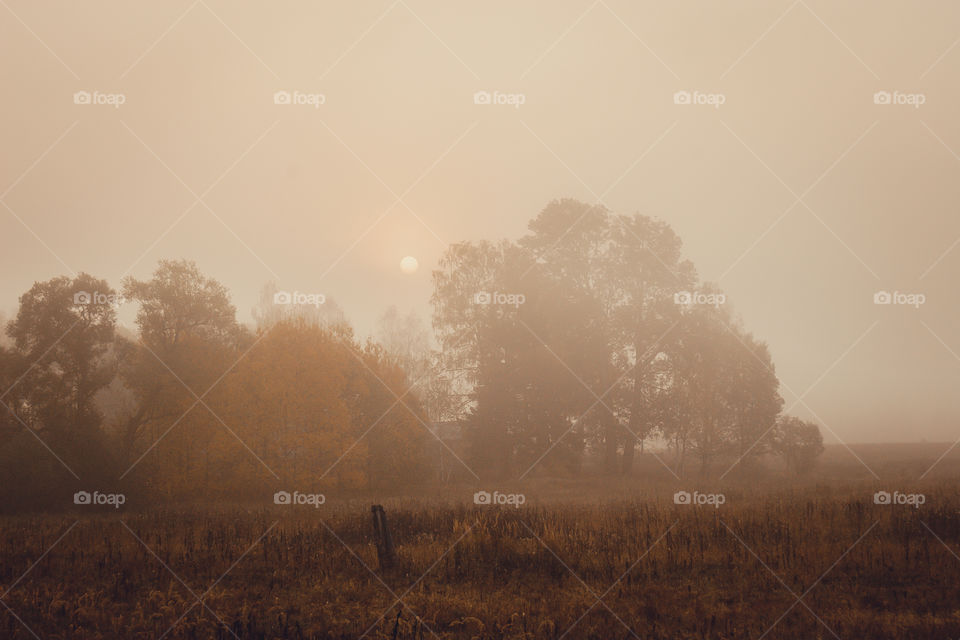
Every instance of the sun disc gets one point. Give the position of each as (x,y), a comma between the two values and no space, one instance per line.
(409,265)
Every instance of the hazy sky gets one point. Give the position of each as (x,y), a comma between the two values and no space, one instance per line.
(799,193)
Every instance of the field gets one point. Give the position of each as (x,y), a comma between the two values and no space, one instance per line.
(778,561)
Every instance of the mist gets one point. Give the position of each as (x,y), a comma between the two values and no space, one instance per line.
(552,261)
(307,195)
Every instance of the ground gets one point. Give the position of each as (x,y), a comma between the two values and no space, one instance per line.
(579,559)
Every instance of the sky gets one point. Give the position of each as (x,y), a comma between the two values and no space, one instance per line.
(808,162)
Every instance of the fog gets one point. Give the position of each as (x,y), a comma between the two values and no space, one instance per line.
(800,194)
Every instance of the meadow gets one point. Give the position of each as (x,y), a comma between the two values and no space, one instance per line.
(775,560)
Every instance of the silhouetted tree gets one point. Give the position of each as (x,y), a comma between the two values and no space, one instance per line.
(798,442)
(61,339)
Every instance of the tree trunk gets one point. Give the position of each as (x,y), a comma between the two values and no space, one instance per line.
(611,440)
(629,449)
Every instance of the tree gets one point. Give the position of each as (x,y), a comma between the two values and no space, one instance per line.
(628,268)
(647,268)
(406,341)
(179,303)
(798,442)
(317,409)
(466,271)
(571,243)
(64,328)
(58,361)
(188,339)
(753,397)
(608,349)
(521,344)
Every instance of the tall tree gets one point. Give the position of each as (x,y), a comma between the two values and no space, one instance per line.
(611,304)
(405,340)
(61,339)
(188,339)
(648,270)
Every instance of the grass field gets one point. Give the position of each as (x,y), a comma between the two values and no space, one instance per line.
(817,561)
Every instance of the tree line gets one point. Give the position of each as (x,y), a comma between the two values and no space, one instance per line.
(194,406)
(589,338)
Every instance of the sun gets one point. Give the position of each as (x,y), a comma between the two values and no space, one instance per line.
(409,265)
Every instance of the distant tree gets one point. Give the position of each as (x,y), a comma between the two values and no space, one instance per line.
(188,339)
(570,242)
(609,348)
(798,442)
(58,362)
(708,347)
(64,329)
(287,400)
(522,342)
(754,398)
(437,393)
(405,340)
(466,270)
(406,343)
(629,268)
(396,445)
(5,340)
(317,409)
(462,329)
(647,269)
(179,303)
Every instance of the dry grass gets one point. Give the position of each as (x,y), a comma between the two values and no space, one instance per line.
(665,571)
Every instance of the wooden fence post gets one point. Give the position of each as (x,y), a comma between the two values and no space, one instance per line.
(386,554)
